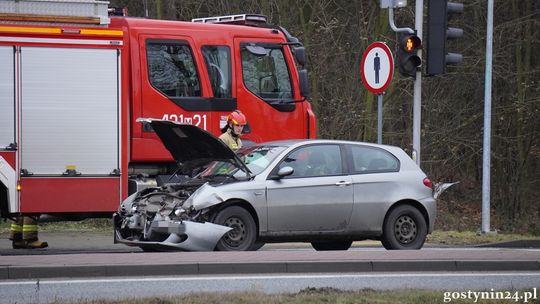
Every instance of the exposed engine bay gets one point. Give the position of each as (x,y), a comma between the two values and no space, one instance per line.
(163,218)
(176,216)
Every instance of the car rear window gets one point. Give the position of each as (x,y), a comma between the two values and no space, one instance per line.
(367,159)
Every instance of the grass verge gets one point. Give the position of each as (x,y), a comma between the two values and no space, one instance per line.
(315,295)
(98,225)
(463,238)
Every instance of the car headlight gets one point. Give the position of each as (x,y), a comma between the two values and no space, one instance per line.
(179,211)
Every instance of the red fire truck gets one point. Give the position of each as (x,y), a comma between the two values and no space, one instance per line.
(73,84)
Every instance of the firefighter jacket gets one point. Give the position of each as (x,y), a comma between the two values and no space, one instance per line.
(234,142)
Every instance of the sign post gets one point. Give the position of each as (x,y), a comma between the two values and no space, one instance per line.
(377,69)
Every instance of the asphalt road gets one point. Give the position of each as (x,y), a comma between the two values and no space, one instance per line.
(102,242)
(88,255)
(89,266)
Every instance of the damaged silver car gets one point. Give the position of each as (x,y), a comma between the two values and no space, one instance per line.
(326,192)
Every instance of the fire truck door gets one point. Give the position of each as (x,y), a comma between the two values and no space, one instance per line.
(266,89)
(172,83)
(69,129)
(8,179)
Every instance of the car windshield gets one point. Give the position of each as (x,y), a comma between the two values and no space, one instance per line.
(257,158)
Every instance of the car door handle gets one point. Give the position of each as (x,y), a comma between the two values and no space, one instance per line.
(343,183)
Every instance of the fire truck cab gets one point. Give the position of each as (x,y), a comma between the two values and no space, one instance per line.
(72,86)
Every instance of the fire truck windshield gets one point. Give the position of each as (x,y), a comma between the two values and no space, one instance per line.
(267,76)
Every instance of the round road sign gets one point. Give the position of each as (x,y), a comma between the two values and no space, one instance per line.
(377,67)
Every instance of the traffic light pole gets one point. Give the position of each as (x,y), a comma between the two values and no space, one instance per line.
(417,94)
(486,151)
(393,24)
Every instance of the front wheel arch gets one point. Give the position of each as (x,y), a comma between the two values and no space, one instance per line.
(249,208)
(240,203)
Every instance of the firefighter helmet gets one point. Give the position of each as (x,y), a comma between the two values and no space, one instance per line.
(237,118)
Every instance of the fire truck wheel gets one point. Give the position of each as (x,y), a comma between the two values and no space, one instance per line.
(242,236)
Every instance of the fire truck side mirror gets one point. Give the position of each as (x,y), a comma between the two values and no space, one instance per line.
(304,82)
(300,55)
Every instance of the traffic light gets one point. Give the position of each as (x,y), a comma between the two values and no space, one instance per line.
(407,59)
(438,32)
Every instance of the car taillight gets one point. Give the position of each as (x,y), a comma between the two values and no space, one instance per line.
(428,183)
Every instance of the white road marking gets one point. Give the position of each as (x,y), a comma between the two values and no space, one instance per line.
(270,277)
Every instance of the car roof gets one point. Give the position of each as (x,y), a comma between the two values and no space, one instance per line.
(295,142)
(406,161)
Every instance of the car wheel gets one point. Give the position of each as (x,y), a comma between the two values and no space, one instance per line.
(242,236)
(331,245)
(404,228)
(149,249)
(257,245)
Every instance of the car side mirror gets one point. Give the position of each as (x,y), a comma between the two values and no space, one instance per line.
(285,171)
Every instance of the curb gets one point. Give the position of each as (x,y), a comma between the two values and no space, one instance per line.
(79,271)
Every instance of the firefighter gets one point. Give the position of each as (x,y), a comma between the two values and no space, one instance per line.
(24,234)
(236,121)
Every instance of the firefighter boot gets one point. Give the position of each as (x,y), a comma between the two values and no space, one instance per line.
(16,234)
(30,234)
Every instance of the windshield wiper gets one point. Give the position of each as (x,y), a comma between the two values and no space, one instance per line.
(212,176)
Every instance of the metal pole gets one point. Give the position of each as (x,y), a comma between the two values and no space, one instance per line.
(379,118)
(417,94)
(486,153)
(393,25)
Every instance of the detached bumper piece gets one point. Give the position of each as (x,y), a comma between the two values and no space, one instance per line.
(179,236)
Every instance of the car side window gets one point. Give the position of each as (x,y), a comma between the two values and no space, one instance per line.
(372,160)
(171,68)
(316,160)
(218,64)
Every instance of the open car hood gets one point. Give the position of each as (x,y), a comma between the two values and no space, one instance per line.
(191,145)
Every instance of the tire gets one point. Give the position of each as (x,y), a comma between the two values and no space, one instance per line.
(244,233)
(404,228)
(149,249)
(331,245)
(257,245)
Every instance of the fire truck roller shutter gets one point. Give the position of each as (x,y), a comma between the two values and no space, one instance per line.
(7,96)
(8,181)
(69,110)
